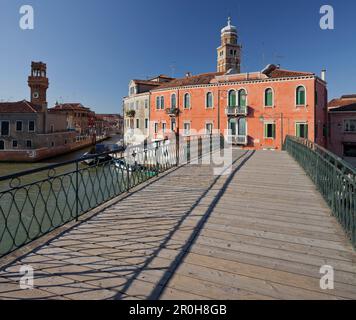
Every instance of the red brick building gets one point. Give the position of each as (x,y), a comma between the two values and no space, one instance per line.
(342,127)
(257,110)
(79,118)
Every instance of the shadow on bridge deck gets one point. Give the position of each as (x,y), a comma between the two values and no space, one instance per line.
(262,232)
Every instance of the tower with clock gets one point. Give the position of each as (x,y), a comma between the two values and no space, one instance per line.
(38,83)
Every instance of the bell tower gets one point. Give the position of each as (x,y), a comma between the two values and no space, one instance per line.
(38,83)
(229,53)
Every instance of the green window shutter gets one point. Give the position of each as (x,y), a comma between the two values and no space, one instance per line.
(209,100)
(306,131)
(232,98)
(268,98)
(242,98)
(303,97)
(298,130)
(266,130)
(300,96)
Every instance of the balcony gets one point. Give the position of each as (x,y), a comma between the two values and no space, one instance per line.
(236,111)
(172,112)
(238,140)
(130,113)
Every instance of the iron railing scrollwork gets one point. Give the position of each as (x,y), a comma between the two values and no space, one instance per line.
(334,178)
(35,202)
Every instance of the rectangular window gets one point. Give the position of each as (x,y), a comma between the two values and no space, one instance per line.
(301,130)
(14,144)
(18,125)
(164,127)
(146,104)
(5,128)
(173,124)
(52,128)
(137,123)
(209,128)
(156,127)
(350,150)
(350,125)
(29,143)
(31,126)
(270,130)
(146,123)
(187,128)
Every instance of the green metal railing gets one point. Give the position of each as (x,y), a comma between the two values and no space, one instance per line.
(334,178)
(35,202)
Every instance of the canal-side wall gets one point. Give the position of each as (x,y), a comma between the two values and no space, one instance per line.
(43,153)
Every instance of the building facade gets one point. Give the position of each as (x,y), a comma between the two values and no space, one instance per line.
(342,127)
(136,109)
(113,123)
(29,131)
(78,118)
(255,110)
(28,126)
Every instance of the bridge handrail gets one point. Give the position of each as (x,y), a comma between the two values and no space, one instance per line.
(35,202)
(334,178)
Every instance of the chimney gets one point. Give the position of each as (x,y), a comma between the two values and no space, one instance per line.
(323,75)
(188,74)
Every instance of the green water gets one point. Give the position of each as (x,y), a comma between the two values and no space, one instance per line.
(41,202)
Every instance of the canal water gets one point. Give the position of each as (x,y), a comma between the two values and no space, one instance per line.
(9,168)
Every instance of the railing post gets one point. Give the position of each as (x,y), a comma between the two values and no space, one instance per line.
(77,191)
(188,149)
(128,176)
(177,148)
(157,162)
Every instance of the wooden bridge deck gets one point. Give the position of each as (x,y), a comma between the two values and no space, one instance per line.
(262,232)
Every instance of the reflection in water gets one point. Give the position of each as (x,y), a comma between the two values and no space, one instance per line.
(9,168)
(42,201)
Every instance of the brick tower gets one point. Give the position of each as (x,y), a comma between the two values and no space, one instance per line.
(38,83)
(229,53)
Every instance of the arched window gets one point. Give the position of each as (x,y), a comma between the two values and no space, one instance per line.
(232,98)
(300,94)
(187,101)
(209,100)
(162,102)
(269,97)
(242,98)
(173,101)
(242,127)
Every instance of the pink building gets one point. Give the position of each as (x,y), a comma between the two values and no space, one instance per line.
(342,127)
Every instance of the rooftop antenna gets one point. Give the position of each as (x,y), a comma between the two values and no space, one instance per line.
(173,68)
(277,58)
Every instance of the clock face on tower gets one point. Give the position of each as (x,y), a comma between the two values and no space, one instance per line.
(36,95)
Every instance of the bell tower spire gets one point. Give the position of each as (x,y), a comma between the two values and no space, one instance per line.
(229,52)
(38,83)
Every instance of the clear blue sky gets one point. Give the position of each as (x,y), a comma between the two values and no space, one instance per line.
(94,47)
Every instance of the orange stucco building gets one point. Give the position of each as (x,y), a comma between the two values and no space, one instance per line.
(256,110)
